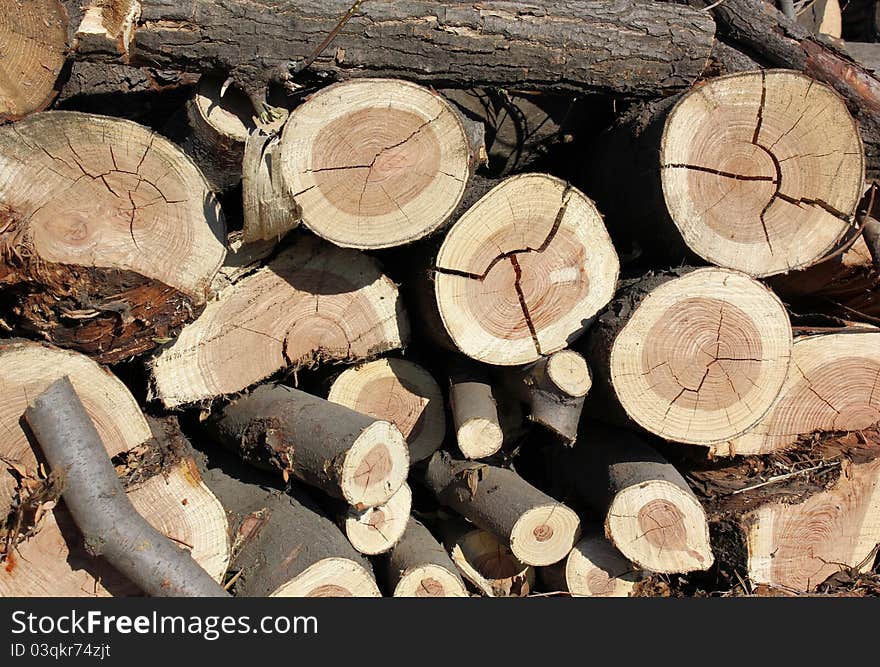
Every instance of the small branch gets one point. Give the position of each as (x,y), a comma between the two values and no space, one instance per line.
(110,525)
(779,478)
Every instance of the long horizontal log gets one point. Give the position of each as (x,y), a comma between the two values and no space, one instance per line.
(640,49)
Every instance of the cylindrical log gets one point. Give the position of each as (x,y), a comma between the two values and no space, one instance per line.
(538,529)
(285,548)
(375,163)
(651,514)
(523,271)
(110,236)
(694,356)
(34,38)
(478,431)
(375,530)
(312,302)
(342,452)
(832,386)
(594,568)
(418,566)
(757,171)
(400,392)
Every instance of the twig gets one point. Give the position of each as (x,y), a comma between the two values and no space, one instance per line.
(779,478)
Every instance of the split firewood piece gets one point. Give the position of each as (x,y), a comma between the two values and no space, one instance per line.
(283,547)
(812,512)
(110,525)
(342,452)
(27,369)
(485,562)
(375,163)
(694,356)
(54,562)
(594,568)
(110,236)
(219,126)
(270,211)
(313,302)
(475,416)
(400,392)
(651,515)
(538,529)
(554,387)
(375,530)
(34,38)
(832,386)
(418,566)
(758,171)
(523,271)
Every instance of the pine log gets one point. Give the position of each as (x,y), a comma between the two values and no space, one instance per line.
(554,387)
(594,568)
(757,171)
(832,385)
(110,237)
(538,529)
(803,517)
(694,356)
(475,415)
(418,566)
(651,515)
(283,547)
(375,530)
(269,208)
(312,302)
(400,392)
(642,49)
(523,271)
(34,38)
(486,563)
(342,452)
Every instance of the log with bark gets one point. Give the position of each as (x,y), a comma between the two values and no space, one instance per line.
(694,356)
(594,568)
(475,415)
(831,386)
(758,171)
(538,529)
(342,452)
(640,49)
(418,566)
(523,271)
(375,530)
(110,237)
(312,302)
(398,391)
(650,513)
(792,519)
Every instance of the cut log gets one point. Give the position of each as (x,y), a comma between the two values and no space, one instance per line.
(375,163)
(400,392)
(554,387)
(284,548)
(694,356)
(641,49)
(313,302)
(594,568)
(110,237)
(342,452)
(757,171)
(270,210)
(832,386)
(27,369)
(538,529)
(523,271)
(478,430)
(487,563)
(376,530)
(807,514)
(418,566)
(651,515)
(34,38)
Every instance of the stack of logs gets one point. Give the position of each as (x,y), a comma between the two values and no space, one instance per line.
(597,310)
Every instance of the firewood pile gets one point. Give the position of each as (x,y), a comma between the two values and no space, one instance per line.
(413,298)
